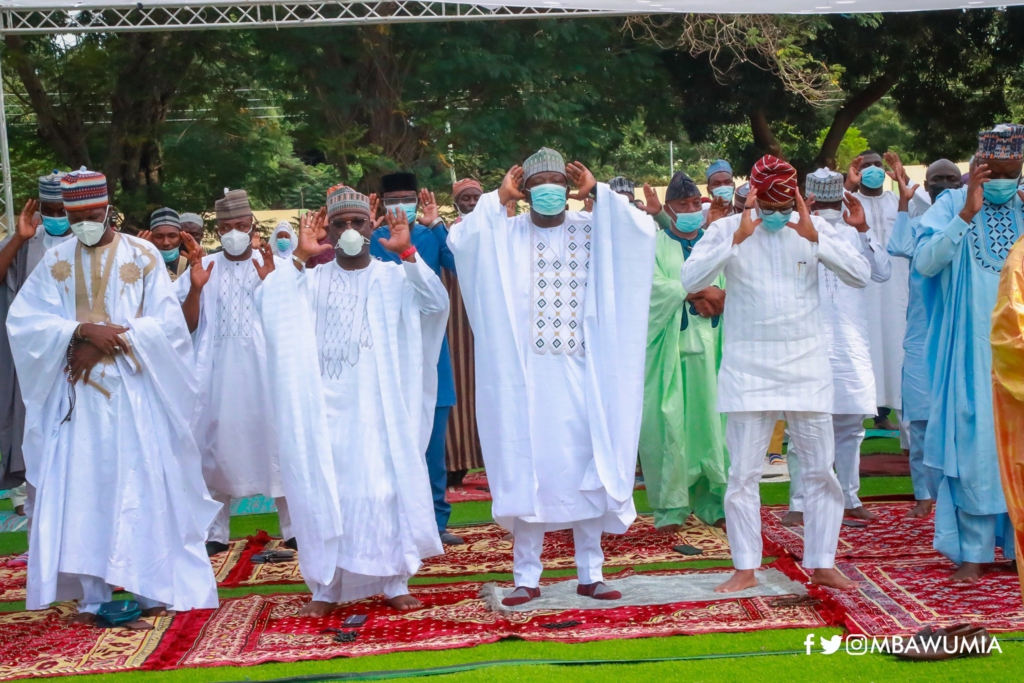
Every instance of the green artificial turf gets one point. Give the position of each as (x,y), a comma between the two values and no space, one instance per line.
(6,504)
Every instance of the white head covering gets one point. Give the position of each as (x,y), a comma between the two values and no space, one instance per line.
(287,227)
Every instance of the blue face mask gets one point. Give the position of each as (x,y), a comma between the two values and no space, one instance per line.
(56,226)
(548,199)
(171,255)
(872,177)
(410,211)
(725,192)
(773,222)
(284,244)
(688,222)
(1000,190)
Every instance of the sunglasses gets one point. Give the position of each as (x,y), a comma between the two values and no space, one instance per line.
(358,224)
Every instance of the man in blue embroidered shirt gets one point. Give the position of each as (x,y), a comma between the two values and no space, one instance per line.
(399,192)
(963,241)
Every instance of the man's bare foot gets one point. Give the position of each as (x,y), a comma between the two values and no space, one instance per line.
(922,508)
(886,425)
(508,537)
(84,618)
(719,524)
(793,518)
(861,513)
(19,510)
(669,528)
(156,612)
(831,578)
(740,580)
(404,603)
(969,572)
(316,609)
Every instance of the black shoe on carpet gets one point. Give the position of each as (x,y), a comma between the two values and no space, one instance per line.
(291,544)
(686,549)
(451,539)
(215,547)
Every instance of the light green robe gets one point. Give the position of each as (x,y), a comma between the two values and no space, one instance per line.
(682,436)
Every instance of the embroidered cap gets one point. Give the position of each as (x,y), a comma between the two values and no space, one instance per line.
(774,180)
(235,204)
(341,198)
(825,185)
(621,184)
(1005,141)
(681,187)
(49,188)
(83,189)
(165,216)
(544,159)
(192,218)
(719,166)
(461,186)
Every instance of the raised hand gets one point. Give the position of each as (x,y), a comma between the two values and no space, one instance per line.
(719,209)
(747,224)
(428,206)
(104,337)
(510,184)
(853,175)
(653,205)
(580,176)
(191,246)
(804,226)
(198,276)
(512,208)
(312,231)
(854,215)
(588,204)
(376,215)
(27,221)
(400,238)
(975,192)
(146,235)
(897,173)
(267,266)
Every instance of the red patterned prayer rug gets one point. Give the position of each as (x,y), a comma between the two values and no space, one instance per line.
(899,596)
(43,643)
(487,551)
(892,535)
(474,488)
(263,628)
(12,579)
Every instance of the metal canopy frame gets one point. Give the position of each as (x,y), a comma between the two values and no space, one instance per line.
(93,17)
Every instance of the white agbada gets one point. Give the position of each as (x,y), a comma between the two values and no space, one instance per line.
(846,326)
(886,305)
(559,318)
(774,357)
(231,421)
(354,379)
(120,494)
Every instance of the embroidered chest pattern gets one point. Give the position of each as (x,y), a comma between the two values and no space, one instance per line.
(992,241)
(561,259)
(235,306)
(340,349)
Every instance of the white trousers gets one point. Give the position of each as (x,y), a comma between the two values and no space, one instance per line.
(529,541)
(96,591)
(220,529)
(849,435)
(335,591)
(747,435)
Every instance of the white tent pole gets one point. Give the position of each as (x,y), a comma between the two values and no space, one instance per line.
(5,163)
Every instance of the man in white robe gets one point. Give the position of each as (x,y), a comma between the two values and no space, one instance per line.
(845,318)
(120,498)
(232,422)
(775,359)
(558,302)
(354,380)
(887,301)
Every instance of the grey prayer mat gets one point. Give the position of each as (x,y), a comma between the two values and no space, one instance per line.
(645,589)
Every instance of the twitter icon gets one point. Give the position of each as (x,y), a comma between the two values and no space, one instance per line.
(831,645)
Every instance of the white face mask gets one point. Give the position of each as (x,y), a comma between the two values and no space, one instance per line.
(831,215)
(235,243)
(351,242)
(90,232)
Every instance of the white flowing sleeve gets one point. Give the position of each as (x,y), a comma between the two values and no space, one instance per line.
(710,256)
(841,257)
(877,257)
(431,295)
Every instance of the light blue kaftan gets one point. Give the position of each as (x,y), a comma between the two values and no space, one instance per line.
(966,261)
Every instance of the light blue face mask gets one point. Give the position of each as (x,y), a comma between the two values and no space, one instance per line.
(1000,190)
(688,222)
(284,244)
(548,199)
(872,177)
(171,255)
(775,221)
(410,211)
(724,191)
(56,225)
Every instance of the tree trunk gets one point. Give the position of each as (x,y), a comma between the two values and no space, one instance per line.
(848,113)
(764,138)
